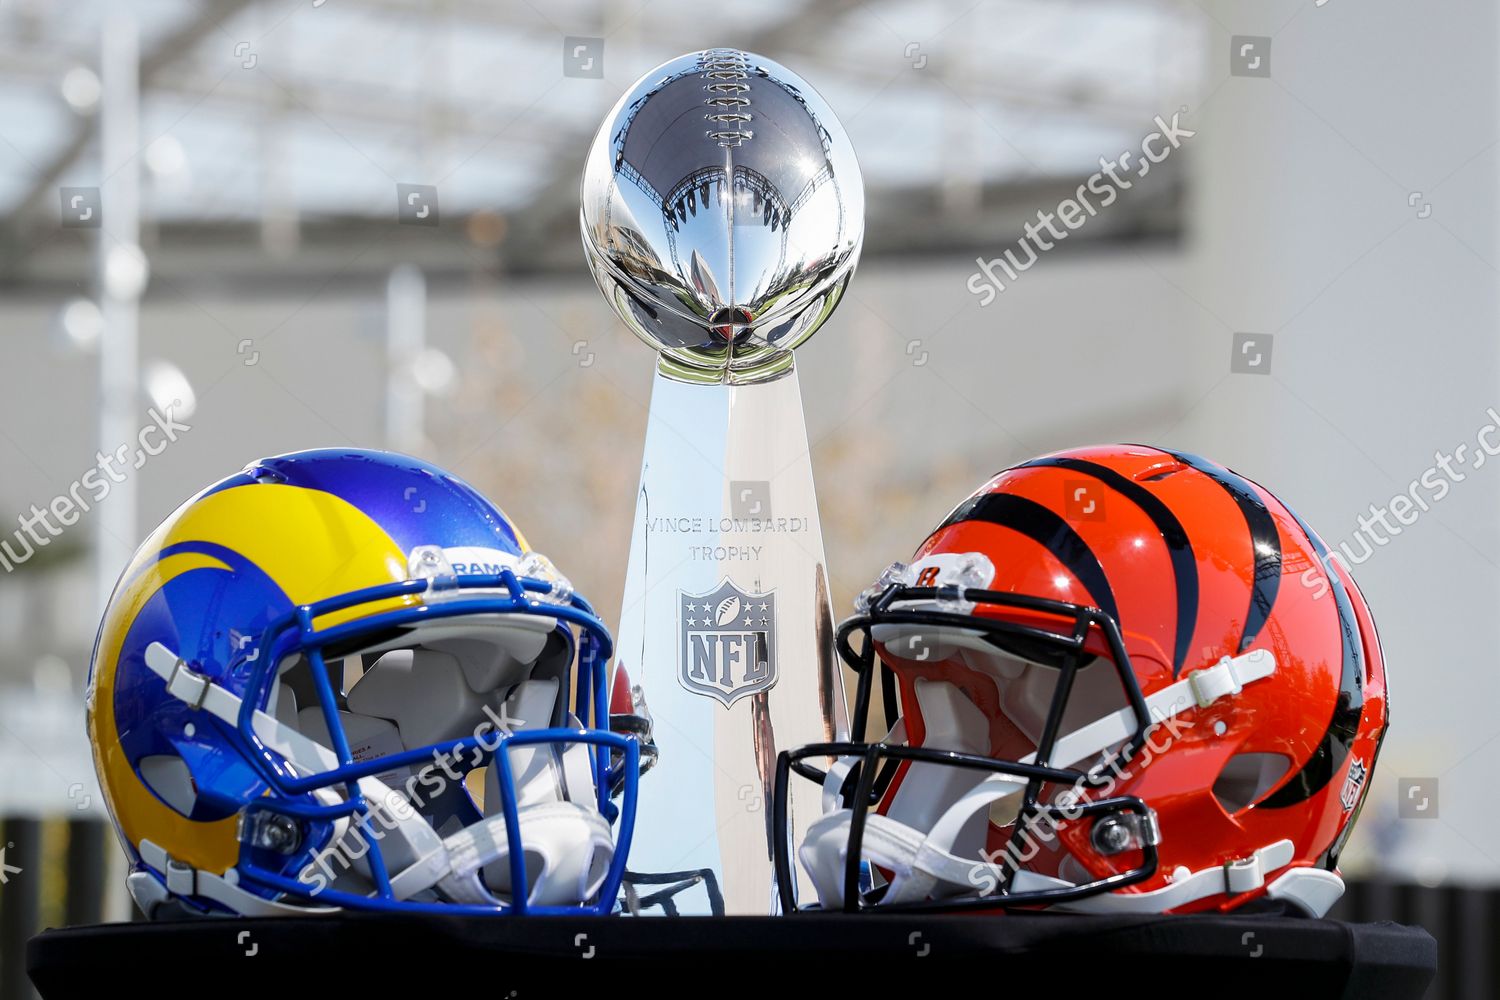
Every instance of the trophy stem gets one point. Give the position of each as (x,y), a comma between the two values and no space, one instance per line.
(726,626)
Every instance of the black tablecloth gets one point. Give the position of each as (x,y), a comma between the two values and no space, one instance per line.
(824,955)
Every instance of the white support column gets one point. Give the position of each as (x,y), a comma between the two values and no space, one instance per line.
(405,340)
(119,293)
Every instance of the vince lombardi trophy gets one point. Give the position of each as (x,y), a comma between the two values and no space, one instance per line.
(722,217)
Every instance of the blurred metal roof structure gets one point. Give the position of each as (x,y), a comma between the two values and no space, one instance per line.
(275,131)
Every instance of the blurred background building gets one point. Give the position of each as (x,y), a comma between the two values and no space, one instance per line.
(309,222)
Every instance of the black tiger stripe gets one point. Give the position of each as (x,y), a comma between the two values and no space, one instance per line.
(1047,528)
(1179,546)
(1265,542)
(1337,740)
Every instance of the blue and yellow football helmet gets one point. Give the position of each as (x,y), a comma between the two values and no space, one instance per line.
(340,679)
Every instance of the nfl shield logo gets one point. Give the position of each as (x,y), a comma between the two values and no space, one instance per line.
(728,647)
(1349,794)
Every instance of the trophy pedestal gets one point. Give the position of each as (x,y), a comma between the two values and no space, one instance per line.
(726,627)
(811,955)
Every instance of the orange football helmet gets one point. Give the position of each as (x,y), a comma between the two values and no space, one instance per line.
(1124,679)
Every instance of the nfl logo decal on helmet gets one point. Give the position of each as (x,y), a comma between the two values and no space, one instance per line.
(1354,784)
(728,643)
(341,679)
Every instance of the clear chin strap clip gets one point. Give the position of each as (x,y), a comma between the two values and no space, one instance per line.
(539,567)
(430,563)
(897,574)
(972,571)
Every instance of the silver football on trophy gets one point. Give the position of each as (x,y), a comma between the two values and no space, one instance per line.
(722,214)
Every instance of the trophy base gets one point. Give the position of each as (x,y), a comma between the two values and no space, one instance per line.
(809,955)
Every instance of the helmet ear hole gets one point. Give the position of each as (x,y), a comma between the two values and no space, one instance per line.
(170,780)
(1247,777)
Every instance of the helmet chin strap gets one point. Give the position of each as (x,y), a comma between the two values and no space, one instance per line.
(570,842)
(571,845)
(921,869)
(924,864)
(1312,890)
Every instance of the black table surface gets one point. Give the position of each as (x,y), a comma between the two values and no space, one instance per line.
(1281,958)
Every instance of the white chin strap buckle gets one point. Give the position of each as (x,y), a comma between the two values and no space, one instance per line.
(1244,874)
(1215,682)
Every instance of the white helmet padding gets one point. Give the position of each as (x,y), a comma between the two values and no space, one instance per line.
(931,833)
(927,790)
(1025,686)
(418,689)
(550,784)
(445,681)
(925,801)
(951,721)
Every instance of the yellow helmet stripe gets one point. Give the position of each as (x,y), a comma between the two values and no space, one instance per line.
(311,544)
